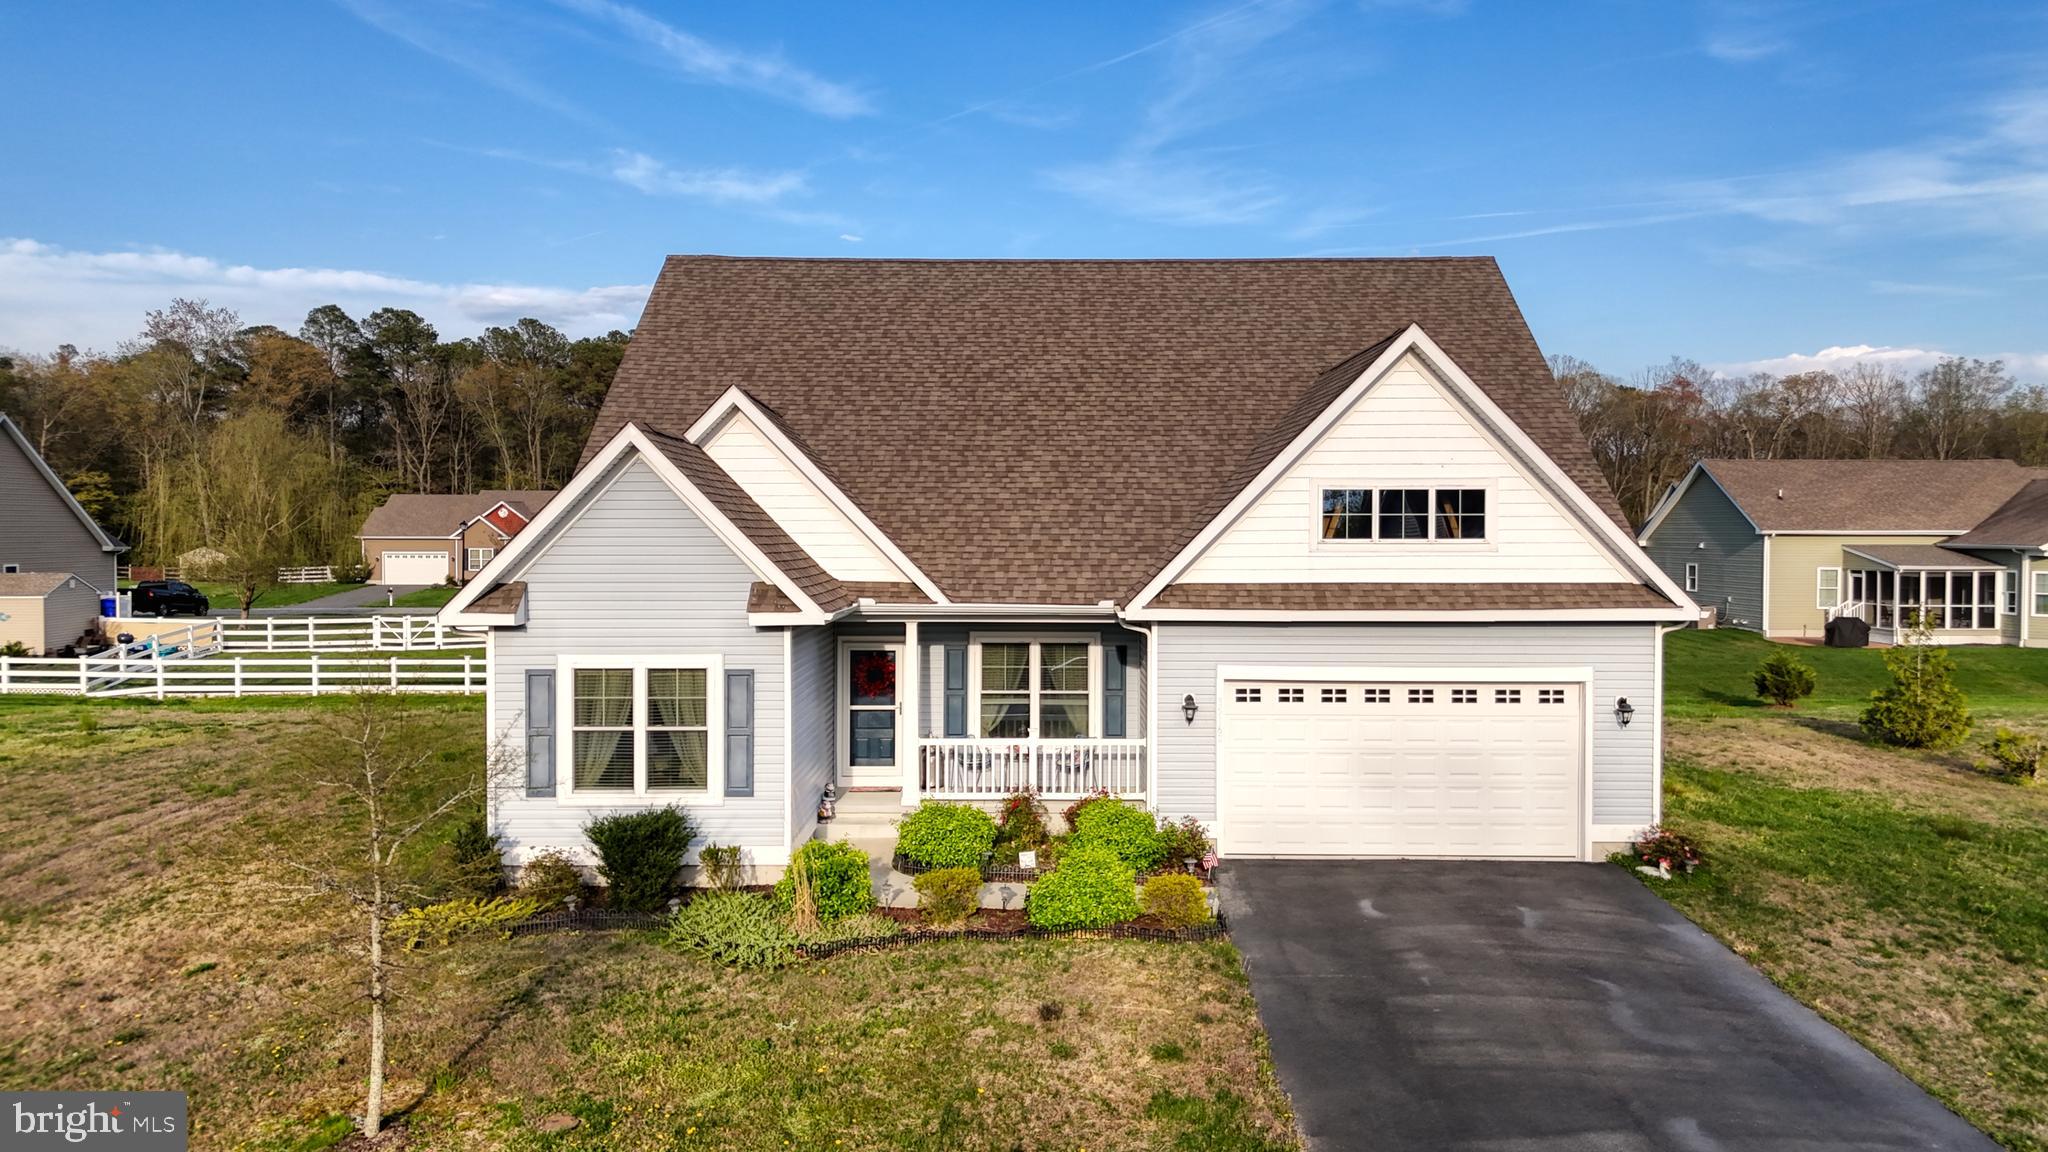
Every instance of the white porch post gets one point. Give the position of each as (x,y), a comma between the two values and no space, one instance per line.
(910,697)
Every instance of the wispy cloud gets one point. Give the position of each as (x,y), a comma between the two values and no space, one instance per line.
(640,171)
(51,295)
(1908,288)
(2028,366)
(1741,32)
(1157,175)
(463,53)
(701,60)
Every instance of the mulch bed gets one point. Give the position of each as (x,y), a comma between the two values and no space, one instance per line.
(993,873)
(1008,924)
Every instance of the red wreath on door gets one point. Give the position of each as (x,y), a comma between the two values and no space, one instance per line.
(874,675)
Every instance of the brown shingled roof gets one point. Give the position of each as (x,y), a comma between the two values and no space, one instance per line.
(1868,495)
(2021,522)
(32,583)
(504,598)
(1442,597)
(1048,431)
(421,515)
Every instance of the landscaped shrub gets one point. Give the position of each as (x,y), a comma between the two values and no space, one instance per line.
(945,835)
(1124,830)
(549,878)
(2017,754)
(1176,899)
(1072,812)
(640,853)
(839,882)
(1921,707)
(1092,888)
(948,896)
(737,928)
(1659,845)
(1185,840)
(718,866)
(474,863)
(866,926)
(1783,680)
(1022,825)
(13,648)
(441,923)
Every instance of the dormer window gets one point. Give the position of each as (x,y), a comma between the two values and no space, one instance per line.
(1403,514)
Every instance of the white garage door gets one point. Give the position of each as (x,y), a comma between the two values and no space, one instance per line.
(1332,768)
(415,567)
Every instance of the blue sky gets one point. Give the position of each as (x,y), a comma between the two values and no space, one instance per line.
(1743,183)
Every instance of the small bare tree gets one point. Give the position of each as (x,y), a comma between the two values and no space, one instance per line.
(385,785)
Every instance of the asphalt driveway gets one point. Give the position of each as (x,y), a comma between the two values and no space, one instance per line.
(1543,1008)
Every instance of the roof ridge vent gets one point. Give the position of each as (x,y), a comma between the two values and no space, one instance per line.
(1781,493)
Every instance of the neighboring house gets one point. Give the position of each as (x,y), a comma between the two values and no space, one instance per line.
(416,538)
(42,528)
(1782,546)
(45,611)
(1310,550)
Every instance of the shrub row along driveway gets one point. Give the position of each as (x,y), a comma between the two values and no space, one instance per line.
(1541,1007)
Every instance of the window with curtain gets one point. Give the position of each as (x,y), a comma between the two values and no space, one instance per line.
(603,730)
(678,729)
(1006,691)
(1037,686)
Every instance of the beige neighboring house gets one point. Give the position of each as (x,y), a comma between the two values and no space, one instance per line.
(46,611)
(418,538)
(1783,546)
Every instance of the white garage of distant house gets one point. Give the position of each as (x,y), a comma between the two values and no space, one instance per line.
(1403,762)
(415,568)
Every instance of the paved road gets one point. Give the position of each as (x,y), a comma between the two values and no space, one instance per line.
(366,599)
(1543,1008)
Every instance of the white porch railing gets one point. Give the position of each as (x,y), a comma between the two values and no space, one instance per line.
(968,769)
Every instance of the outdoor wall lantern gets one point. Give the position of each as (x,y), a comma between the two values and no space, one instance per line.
(1624,712)
(1188,707)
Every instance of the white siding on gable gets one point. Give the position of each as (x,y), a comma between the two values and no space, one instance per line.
(798,505)
(636,572)
(1406,432)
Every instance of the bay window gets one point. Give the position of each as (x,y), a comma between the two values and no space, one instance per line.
(1045,687)
(640,726)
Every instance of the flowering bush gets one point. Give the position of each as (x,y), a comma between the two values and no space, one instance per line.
(1660,846)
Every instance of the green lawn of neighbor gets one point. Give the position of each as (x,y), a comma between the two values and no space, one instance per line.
(282,596)
(427,597)
(1708,674)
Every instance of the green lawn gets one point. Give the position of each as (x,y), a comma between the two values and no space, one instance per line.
(284,595)
(426,597)
(1902,894)
(1708,674)
(149,943)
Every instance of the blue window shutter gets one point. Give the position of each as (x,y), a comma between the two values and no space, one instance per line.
(739,732)
(956,689)
(540,731)
(1113,692)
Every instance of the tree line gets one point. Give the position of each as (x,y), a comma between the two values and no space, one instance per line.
(270,447)
(1647,431)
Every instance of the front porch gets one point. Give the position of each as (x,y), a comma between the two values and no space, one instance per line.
(978,711)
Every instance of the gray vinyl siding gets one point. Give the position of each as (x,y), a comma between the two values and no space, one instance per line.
(1731,564)
(39,531)
(814,741)
(933,638)
(68,611)
(1623,658)
(636,572)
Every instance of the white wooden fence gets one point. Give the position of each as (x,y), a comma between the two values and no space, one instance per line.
(323,574)
(343,634)
(314,673)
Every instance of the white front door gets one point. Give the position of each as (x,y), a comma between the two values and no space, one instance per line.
(1330,768)
(870,714)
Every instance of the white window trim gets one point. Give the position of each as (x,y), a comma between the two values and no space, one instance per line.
(2008,594)
(2040,592)
(10,569)
(1820,599)
(472,562)
(1431,543)
(640,797)
(1692,576)
(1036,640)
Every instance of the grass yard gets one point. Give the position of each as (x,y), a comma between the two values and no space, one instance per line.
(282,596)
(426,597)
(1707,674)
(149,944)
(1902,894)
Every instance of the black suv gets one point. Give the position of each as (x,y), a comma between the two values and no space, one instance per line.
(167,598)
